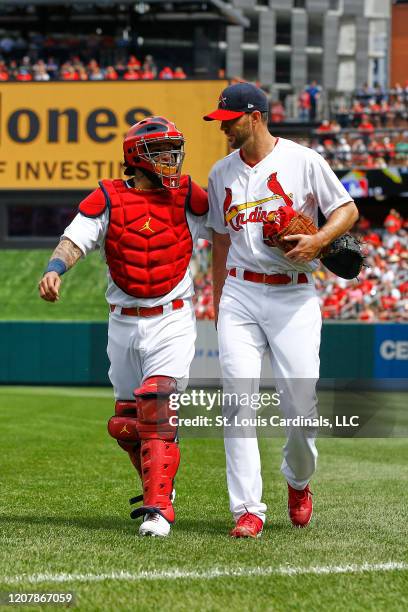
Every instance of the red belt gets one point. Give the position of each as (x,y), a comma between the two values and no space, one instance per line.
(270,279)
(142,311)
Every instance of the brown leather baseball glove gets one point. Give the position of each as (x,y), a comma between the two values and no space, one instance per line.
(343,257)
(286,222)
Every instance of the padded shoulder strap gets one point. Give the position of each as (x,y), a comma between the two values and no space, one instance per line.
(100,199)
(198,201)
(94,204)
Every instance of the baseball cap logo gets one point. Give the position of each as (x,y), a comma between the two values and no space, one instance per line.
(222,101)
(238,99)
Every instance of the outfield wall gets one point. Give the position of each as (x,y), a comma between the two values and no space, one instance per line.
(74,353)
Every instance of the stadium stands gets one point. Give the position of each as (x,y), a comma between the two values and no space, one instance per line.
(76,69)
(345,149)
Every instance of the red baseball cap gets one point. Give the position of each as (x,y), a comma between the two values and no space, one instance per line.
(238,99)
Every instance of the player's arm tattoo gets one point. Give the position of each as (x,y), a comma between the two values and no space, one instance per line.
(68,252)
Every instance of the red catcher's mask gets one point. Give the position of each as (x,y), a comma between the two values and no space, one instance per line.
(156,145)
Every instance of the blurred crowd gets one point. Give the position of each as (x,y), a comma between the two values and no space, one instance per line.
(375,107)
(359,149)
(368,108)
(75,69)
(381,291)
(379,294)
(81,57)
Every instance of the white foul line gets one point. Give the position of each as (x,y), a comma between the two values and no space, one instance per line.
(285,570)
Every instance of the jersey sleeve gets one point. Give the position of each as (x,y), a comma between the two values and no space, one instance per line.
(86,232)
(198,200)
(215,218)
(328,191)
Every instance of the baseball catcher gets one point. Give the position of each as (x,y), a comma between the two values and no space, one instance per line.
(145,228)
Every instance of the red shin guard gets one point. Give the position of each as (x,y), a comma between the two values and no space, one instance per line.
(160,461)
(160,454)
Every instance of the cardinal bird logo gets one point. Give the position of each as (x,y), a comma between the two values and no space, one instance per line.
(275,186)
(227,202)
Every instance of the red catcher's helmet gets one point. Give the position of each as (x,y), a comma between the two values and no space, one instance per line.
(141,151)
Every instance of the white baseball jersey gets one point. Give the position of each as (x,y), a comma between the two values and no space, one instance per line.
(89,234)
(299,172)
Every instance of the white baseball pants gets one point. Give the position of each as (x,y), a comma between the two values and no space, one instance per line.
(285,321)
(139,347)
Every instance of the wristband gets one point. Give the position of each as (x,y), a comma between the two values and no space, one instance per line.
(56,265)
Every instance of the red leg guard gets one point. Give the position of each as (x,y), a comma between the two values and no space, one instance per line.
(123,427)
(160,454)
(155,417)
(160,461)
(133,450)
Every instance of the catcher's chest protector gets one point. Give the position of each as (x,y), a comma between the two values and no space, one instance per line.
(148,244)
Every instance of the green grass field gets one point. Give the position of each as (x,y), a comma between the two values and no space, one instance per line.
(82,293)
(64,513)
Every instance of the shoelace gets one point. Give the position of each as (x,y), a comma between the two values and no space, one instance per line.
(153,517)
(246,521)
(298,497)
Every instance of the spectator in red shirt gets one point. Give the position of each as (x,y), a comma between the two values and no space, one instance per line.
(4,75)
(166,73)
(388,302)
(304,105)
(131,74)
(179,73)
(357,112)
(375,110)
(331,306)
(147,74)
(366,128)
(277,112)
(403,288)
(376,148)
(24,75)
(393,221)
(366,125)
(111,74)
(68,72)
(324,126)
(367,315)
(133,62)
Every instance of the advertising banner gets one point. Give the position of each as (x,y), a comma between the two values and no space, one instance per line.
(69,135)
(375,183)
(391,351)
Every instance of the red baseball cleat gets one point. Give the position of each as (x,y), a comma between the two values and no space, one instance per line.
(300,506)
(248,526)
